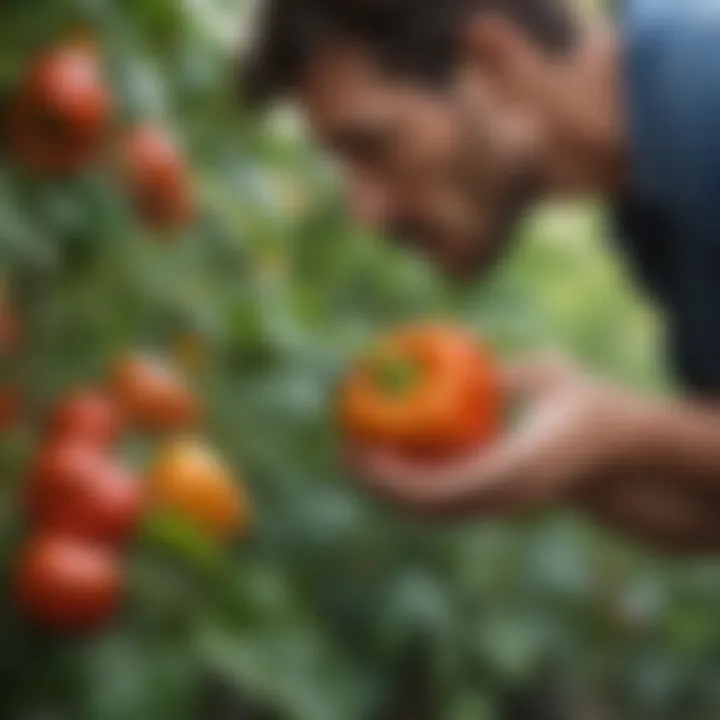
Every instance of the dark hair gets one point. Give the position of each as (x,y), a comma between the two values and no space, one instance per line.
(414,37)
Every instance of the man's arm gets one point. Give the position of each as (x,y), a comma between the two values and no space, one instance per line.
(648,467)
(656,511)
(671,495)
(680,439)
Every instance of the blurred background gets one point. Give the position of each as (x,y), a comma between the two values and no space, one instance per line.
(332,608)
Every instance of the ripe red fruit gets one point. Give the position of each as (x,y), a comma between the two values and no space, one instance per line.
(67,584)
(63,110)
(153,394)
(87,415)
(158,178)
(429,390)
(75,488)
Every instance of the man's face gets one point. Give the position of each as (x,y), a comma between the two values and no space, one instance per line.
(446,171)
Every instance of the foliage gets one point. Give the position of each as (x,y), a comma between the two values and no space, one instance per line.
(333,608)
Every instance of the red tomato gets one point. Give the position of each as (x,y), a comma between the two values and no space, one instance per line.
(153,394)
(428,390)
(77,489)
(158,178)
(67,584)
(87,415)
(63,110)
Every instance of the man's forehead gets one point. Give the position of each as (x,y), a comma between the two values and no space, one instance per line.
(339,63)
(343,89)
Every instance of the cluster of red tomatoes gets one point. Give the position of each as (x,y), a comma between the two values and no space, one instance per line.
(63,120)
(84,504)
(430,391)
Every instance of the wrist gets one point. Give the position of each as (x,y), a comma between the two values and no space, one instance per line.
(622,441)
(642,434)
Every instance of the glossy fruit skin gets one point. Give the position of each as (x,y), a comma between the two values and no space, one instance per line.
(87,415)
(451,405)
(153,394)
(158,178)
(63,111)
(67,584)
(77,489)
(190,480)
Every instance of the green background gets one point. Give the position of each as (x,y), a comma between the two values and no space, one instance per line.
(333,608)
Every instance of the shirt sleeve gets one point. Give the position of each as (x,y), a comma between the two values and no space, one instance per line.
(674,66)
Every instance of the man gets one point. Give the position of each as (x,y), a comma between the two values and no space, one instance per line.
(450,118)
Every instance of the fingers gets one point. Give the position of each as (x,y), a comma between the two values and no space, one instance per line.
(437,491)
(510,477)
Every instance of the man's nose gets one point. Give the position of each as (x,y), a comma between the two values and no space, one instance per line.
(369,204)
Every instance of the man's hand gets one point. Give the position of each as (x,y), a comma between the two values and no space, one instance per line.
(648,468)
(574,431)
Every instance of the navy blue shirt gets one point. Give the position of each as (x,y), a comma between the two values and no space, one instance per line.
(669,226)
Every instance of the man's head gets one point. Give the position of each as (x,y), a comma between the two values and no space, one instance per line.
(439,110)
